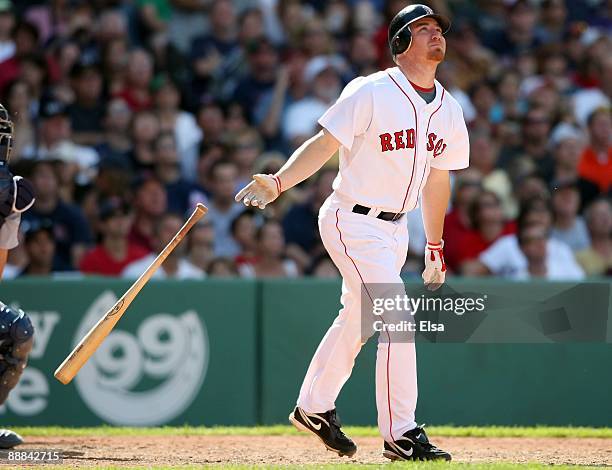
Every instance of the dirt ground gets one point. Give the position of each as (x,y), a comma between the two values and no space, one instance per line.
(201,450)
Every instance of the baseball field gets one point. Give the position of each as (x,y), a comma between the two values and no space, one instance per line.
(283,447)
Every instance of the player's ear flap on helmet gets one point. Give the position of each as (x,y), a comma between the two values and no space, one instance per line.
(401,41)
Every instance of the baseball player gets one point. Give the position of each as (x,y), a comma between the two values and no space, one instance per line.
(399,132)
(16,330)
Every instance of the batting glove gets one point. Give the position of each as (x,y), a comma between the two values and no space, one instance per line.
(261,191)
(435,267)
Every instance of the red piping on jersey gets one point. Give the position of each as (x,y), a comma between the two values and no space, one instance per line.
(419,192)
(427,163)
(349,257)
(389,387)
(421,89)
(416,140)
(388,335)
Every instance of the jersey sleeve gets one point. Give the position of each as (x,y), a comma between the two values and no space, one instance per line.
(457,154)
(351,115)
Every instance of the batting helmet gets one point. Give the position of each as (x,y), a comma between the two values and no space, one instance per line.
(399,33)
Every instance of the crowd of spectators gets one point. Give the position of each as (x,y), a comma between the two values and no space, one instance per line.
(129,112)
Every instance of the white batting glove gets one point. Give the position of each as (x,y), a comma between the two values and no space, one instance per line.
(435,267)
(261,191)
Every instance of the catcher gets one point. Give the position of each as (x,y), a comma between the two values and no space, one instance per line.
(16,330)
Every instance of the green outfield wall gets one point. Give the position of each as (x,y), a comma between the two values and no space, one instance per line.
(234,353)
(172,358)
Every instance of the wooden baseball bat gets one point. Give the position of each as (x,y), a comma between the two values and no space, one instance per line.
(94,337)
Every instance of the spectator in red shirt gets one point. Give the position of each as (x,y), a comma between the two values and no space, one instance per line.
(596,161)
(135,91)
(457,221)
(150,203)
(115,251)
(488,225)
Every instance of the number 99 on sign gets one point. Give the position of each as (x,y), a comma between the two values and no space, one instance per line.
(156,350)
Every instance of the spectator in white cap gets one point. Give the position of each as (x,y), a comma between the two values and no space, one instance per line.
(323,73)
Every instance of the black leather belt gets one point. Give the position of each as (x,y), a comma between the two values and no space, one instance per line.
(389,216)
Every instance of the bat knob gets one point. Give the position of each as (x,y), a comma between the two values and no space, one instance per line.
(201,209)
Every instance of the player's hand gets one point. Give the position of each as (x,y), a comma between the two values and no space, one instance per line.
(260,192)
(435,267)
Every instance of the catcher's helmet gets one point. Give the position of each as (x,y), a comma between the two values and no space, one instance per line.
(399,33)
(6,135)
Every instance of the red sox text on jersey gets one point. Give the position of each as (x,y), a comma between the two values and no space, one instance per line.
(405,140)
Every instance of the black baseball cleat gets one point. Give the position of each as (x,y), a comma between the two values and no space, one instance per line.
(414,445)
(9,439)
(326,426)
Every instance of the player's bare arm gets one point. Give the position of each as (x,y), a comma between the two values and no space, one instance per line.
(304,162)
(436,194)
(435,198)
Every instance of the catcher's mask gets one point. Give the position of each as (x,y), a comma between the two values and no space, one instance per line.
(6,135)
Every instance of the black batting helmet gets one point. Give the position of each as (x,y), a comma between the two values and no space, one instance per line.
(399,33)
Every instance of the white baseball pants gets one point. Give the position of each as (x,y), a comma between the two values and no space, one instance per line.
(365,250)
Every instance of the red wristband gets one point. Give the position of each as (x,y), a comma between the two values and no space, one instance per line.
(439,248)
(278,183)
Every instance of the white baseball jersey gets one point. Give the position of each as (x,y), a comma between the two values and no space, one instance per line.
(391,138)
